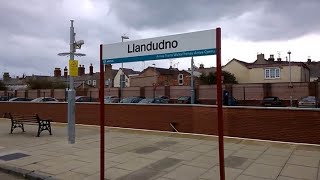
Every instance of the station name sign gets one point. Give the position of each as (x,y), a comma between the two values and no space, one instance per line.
(199,43)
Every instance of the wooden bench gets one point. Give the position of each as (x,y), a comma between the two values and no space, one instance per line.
(19,121)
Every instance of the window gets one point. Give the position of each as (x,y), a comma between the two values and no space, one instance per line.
(180,79)
(89,82)
(272,73)
(94,82)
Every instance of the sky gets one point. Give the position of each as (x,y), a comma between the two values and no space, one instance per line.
(33,32)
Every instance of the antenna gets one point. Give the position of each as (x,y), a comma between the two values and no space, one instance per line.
(171,62)
(279,54)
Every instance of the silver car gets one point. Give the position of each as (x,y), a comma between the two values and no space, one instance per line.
(309,102)
(45,99)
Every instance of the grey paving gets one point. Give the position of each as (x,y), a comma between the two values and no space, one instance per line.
(6,176)
(136,154)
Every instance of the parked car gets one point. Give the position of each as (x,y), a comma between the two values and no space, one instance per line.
(4,98)
(153,100)
(111,99)
(309,102)
(84,99)
(19,99)
(271,101)
(184,100)
(165,98)
(132,99)
(45,99)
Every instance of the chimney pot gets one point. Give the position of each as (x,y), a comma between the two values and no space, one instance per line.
(91,69)
(57,72)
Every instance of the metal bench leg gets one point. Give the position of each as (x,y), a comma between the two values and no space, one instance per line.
(39,130)
(49,127)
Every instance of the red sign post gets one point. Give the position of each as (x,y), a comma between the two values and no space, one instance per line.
(201,46)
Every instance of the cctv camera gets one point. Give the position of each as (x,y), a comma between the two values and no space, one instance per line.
(80,42)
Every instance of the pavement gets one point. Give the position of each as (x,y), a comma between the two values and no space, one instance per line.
(150,155)
(6,176)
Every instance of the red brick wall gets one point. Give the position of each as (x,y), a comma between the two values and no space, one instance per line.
(298,125)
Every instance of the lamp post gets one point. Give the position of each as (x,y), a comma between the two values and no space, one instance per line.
(290,82)
(71,92)
(122,80)
(154,81)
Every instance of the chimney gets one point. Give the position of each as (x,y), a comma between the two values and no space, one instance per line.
(83,70)
(201,66)
(108,71)
(6,76)
(279,59)
(271,58)
(57,72)
(91,69)
(79,70)
(65,72)
(309,60)
(260,57)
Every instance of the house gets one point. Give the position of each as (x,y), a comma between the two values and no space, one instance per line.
(204,70)
(14,83)
(314,70)
(161,77)
(268,70)
(128,73)
(92,79)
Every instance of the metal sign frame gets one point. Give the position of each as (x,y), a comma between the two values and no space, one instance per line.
(219,104)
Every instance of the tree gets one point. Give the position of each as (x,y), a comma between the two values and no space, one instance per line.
(211,78)
(45,84)
(3,87)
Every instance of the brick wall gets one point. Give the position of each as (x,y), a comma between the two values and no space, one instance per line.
(281,124)
(60,94)
(21,93)
(32,94)
(45,93)
(131,91)
(177,91)
(284,91)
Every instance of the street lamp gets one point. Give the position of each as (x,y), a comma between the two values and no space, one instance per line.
(71,92)
(122,80)
(290,82)
(154,81)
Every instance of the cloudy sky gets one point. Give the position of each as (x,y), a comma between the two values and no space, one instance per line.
(33,32)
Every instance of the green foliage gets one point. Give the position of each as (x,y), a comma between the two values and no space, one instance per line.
(2,86)
(45,84)
(211,78)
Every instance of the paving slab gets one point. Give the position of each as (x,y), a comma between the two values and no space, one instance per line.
(304,161)
(263,171)
(214,173)
(248,154)
(272,160)
(302,172)
(185,172)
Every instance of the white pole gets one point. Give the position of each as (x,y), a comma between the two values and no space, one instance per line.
(290,84)
(192,82)
(71,93)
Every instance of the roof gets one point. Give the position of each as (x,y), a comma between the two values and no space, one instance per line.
(206,70)
(163,71)
(268,63)
(314,69)
(128,72)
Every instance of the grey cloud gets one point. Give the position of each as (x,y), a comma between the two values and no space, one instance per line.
(269,19)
